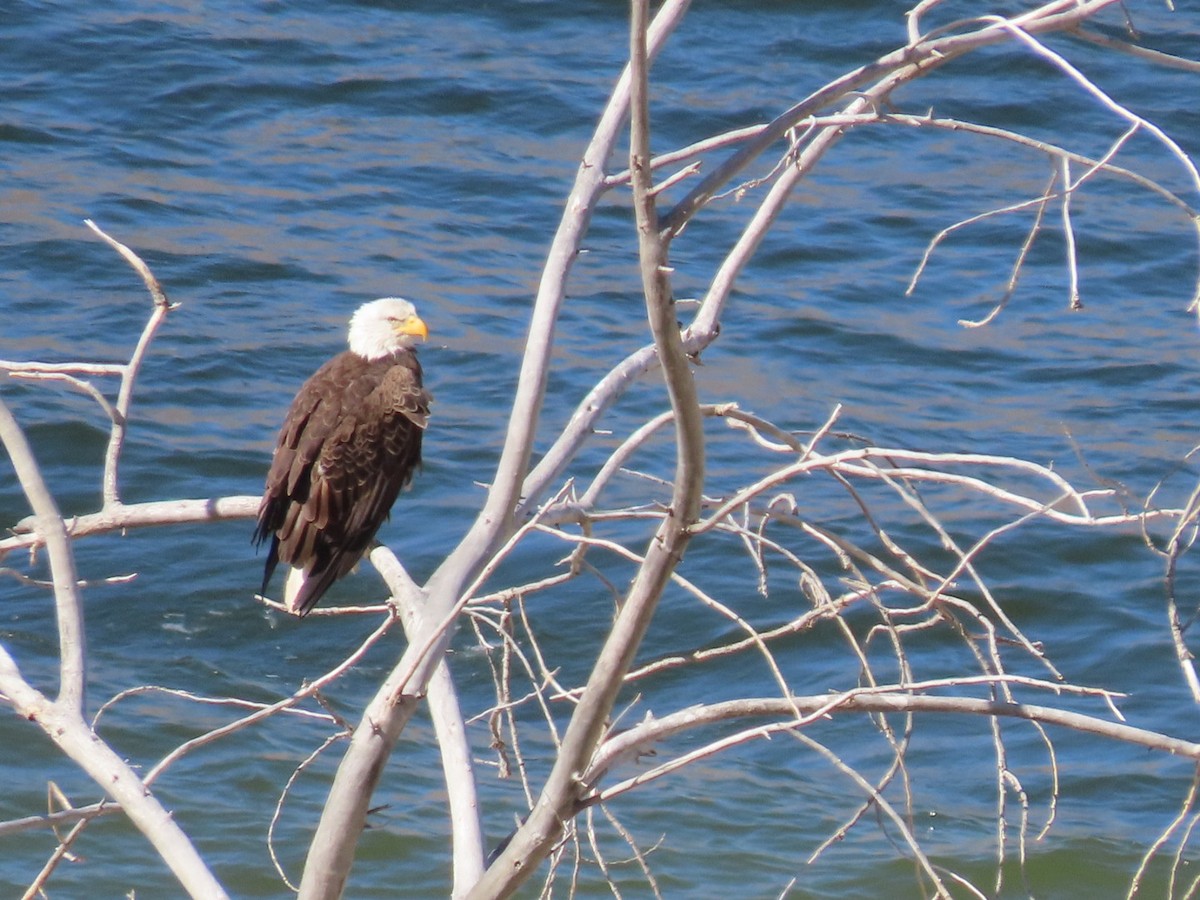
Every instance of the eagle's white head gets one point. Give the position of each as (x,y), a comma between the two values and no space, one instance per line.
(383,327)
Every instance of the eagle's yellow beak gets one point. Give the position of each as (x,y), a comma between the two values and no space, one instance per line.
(413,326)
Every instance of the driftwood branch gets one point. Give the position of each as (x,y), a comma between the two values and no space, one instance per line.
(162,306)
(641,739)
(560,798)
(63,718)
(332,848)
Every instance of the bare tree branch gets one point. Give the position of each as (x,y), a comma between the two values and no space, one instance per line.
(129,377)
(67,602)
(560,796)
(331,853)
(137,515)
(885,699)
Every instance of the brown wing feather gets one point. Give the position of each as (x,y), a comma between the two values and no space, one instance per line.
(351,441)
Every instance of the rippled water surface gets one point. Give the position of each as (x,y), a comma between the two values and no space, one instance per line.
(279,163)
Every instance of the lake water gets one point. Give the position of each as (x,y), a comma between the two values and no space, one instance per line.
(277,164)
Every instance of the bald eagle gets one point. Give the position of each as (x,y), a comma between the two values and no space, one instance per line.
(350,442)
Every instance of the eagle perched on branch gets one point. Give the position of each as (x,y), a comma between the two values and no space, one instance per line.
(350,442)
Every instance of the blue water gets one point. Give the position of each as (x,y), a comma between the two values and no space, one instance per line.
(277,164)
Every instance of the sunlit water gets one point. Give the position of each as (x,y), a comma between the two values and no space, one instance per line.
(277,164)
